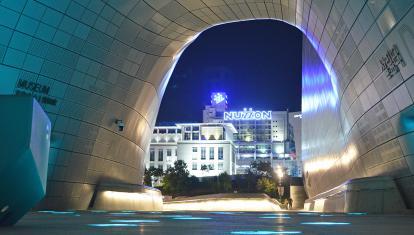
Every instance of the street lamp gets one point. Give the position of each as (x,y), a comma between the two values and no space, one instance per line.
(280,174)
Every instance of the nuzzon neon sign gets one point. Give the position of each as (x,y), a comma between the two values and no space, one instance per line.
(248,115)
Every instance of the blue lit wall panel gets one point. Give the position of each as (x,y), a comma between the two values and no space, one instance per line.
(323,138)
(24,153)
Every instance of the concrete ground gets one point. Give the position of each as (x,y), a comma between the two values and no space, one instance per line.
(130,222)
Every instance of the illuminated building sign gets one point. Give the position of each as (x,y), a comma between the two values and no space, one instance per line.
(218,98)
(248,115)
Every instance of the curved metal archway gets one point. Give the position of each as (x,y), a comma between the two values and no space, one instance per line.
(107,60)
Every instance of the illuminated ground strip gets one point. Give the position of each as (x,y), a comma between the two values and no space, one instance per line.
(122,213)
(225,213)
(265,232)
(357,213)
(113,225)
(307,213)
(325,223)
(273,214)
(275,217)
(134,221)
(58,212)
(176,216)
(191,218)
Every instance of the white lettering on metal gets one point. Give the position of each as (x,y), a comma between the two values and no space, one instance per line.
(248,115)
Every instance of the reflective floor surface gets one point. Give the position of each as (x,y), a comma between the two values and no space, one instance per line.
(131,222)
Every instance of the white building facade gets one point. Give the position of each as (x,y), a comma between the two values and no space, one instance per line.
(163,147)
(206,148)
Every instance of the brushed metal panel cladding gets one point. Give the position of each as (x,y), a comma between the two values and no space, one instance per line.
(374,129)
(107,60)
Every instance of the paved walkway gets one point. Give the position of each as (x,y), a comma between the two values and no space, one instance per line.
(128,222)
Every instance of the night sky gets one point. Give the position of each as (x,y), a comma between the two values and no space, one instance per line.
(257,63)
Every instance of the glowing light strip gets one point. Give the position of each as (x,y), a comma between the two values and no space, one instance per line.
(122,213)
(325,223)
(357,213)
(191,218)
(113,225)
(275,217)
(265,232)
(58,212)
(134,221)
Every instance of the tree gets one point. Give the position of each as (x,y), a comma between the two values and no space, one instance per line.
(152,173)
(180,168)
(147,178)
(224,181)
(251,180)
(267,185)
(176,180)
(157,172)
(204,167)
(261,168)
(192,184)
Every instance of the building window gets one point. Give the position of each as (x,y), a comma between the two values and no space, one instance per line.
(175,152)
(187,136)
(195,155)
(220,153)
(211,153)
(195,136)
(220,166)
(203,153)
(194,167)
(152,155)
(160,155)
(211,167)
(169,152)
